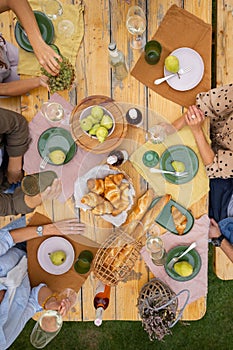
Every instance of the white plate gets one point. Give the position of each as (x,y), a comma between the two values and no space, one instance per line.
(187,58)
(50,245)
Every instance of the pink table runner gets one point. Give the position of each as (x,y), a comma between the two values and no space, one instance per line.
(68,173)
(198,285)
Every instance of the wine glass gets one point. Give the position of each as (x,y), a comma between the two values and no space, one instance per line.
(52,8)
(50,322)
(136,25)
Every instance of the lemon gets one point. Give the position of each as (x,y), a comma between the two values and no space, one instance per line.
(57,157)
(183,268)
(178,166)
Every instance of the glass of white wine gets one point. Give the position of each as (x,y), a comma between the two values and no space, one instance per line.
(136,25)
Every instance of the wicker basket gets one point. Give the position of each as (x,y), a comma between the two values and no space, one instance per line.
(116,257)
(157,306)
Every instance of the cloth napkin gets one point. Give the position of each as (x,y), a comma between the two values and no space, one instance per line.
(185,194)
(68,173)
(198,285)
(179,28)
(70,279)
(68,46)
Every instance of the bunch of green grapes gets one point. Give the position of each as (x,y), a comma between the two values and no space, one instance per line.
(64,79)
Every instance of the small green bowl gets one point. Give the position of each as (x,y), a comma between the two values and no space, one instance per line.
(150,159)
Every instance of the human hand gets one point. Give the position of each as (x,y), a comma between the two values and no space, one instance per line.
(47,58)
(14,176)
(62,306)
(194,118)
(68,227)
(214,231)
(43,81)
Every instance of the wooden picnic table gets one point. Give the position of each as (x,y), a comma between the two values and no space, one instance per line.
(103,22)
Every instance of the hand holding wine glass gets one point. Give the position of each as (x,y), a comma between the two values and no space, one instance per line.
(136,25)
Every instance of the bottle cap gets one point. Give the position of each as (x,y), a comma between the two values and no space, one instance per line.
(99,316)
(112,46)
(112,159)
(134,116)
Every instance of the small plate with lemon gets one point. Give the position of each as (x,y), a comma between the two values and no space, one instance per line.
(187,267)
(58,145)
(179,158)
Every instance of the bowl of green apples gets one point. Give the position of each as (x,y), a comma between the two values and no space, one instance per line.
(97,122)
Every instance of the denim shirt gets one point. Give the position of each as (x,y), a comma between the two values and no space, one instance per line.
(25,303)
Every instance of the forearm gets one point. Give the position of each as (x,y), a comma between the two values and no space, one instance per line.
(206,152)
(227,248)
(45,293)
(26,17)
(19,87)
(29,232)
(179,123)
(15,163)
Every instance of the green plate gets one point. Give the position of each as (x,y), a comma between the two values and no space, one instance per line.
(165,217)
(56,139)
(46,29)
(192,257)
(183,154)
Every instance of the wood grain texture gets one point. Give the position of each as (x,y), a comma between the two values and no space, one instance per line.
(105,21)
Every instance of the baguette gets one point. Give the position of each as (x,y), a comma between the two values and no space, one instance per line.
(150,216)
(138,211)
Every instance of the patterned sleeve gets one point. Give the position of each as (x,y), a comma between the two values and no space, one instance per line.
(216,102)
(222,165)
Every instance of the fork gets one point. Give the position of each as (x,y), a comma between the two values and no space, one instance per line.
(175,173)
(44,162)
(180,72)
(176,258)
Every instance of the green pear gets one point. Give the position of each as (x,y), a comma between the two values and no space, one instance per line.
(172,64)
(97,112)
(106,121)
(94,129)
(58,257)
(91,118)
(183,268)
(101,134)
(178,166)
(86,124)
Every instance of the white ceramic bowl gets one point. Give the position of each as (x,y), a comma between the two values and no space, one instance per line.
(87,111)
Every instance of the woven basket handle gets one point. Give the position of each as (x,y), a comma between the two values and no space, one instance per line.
(183,307)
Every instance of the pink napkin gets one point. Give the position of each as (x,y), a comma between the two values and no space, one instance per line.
(198,285)
(68,173)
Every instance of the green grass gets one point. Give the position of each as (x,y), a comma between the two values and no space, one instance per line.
(213,332)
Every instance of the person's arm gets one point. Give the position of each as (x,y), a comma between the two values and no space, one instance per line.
(194,118)
(65,227)
(226,246)
(21,87)
(44,53)
(48,300)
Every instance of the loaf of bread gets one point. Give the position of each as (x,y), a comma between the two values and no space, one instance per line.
(139,211)
(150,216)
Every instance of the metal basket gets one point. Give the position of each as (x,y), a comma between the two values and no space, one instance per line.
(116,257)
(157,306)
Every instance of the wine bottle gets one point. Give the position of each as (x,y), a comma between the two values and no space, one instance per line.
(101,301)
(117,158)
(117,61)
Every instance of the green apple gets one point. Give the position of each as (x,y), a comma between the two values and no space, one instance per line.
(97,113)
(58,257)
(106,121)
(86,124)
(101,134)
(94,129)
(172,64)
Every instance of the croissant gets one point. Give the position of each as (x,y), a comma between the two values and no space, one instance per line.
(116,178)
(96,185)
(112,191)
(103,208)
(92,199)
